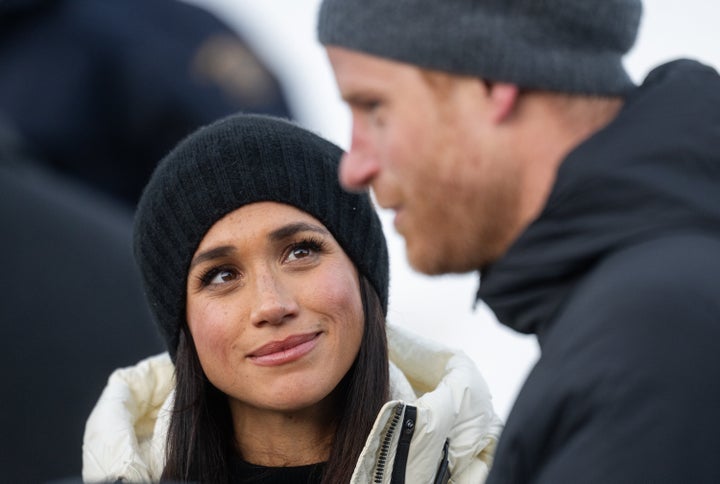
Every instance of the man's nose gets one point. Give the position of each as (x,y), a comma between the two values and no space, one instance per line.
(357,170)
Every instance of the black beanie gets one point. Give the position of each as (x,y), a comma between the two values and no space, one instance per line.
(233,162)
(573,46)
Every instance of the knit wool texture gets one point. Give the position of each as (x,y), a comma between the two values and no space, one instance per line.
(572,46)
(236,161)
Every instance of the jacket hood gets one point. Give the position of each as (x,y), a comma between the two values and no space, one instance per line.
(453,405)
(654,170)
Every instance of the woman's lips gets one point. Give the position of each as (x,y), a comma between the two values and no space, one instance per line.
(284,351)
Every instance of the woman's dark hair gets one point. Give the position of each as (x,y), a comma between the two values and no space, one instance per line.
(201,441)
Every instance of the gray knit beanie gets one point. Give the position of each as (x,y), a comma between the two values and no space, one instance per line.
(234,162)
(573,46)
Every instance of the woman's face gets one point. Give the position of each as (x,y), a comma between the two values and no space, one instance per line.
(274,308)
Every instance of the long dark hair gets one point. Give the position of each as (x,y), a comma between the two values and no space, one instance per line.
(201,441)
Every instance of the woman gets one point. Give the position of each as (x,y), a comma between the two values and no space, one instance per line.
(269,284)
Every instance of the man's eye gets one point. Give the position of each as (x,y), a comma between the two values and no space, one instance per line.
(365,106)
(370,106)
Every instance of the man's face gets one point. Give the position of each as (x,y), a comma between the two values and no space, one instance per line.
(426,144)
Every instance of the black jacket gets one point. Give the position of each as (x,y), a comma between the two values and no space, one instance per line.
(619,278)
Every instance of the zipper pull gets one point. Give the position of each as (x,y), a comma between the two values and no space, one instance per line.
(403,447)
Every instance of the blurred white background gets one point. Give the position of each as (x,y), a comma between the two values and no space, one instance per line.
(283,31)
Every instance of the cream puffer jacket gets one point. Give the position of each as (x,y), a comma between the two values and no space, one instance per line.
(439,426)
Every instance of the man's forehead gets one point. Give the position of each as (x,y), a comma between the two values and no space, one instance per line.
(342,57)
(355,69)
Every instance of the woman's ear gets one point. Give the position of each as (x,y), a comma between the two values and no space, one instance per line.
(502,99)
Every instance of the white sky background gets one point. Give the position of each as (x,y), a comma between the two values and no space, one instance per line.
(283,31)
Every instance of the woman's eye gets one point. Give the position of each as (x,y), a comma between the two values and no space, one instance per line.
(300,252)
(223,276)
(216,277)
(303,250)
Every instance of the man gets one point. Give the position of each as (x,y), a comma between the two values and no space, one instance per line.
(508,138)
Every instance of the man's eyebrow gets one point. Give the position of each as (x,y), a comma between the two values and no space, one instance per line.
(293,228)
(210,254)
(360,98)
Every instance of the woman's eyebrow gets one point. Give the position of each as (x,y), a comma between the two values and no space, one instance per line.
(293,228)
(277,234)
(210,254)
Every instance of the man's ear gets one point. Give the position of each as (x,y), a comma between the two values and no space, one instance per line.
(503,99)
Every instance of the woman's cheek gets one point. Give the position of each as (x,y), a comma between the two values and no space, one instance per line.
(338,291)
(209,325)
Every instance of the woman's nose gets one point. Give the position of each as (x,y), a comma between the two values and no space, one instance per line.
(274,302)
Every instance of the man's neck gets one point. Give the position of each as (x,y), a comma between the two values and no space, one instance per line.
(555,125)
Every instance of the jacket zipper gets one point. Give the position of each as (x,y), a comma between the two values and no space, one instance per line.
(403,446)
(385,445)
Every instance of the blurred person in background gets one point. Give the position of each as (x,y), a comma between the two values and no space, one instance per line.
(270,286)
(96,93)
(507,138)
(102,90)
(71,310)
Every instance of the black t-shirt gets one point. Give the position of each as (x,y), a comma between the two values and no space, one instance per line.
(245,472)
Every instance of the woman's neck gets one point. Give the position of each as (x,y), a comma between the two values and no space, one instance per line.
(279,439)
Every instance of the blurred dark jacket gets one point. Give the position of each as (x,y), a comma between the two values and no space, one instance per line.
(71,311)
(101,90)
